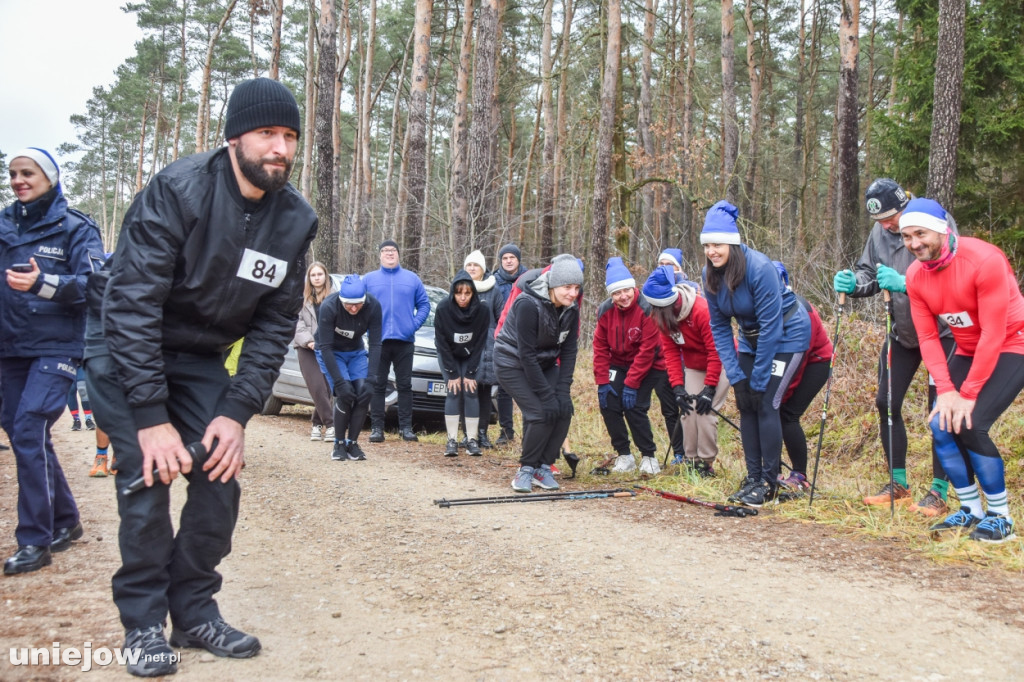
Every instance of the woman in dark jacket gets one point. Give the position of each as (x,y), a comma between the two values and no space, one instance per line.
(534,358)
(742,284)
(460,336)
(492,298)
(47,251)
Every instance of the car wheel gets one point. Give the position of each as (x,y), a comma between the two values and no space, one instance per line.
(272,407)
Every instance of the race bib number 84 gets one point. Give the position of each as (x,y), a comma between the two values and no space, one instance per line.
(262,269)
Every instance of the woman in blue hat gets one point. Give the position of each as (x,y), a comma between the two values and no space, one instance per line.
(743,285)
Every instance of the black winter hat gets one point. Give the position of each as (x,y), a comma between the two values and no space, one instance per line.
(261,102)
(510,248)
(885,198)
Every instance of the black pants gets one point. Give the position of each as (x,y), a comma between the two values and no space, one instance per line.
(163,572)
(350,416)
(761,431)
(505,405)
(484,399)
(398,354)
(542,433)
(670,412)
(464,403)
(814,378)
(616,418)
(904,364)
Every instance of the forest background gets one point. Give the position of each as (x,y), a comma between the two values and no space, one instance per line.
(599,128)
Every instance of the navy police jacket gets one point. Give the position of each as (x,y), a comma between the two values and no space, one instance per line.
(48,320)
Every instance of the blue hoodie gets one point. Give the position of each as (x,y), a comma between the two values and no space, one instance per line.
(759,302)
(403,301)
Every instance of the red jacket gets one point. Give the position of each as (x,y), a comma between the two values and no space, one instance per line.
(692,346)
(821,346)
(625,338)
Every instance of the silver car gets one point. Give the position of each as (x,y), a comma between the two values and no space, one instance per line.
(428,387)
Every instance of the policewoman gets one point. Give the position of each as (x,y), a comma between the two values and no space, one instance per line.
(47,251)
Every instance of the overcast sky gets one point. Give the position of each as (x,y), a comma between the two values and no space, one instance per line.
(55,53)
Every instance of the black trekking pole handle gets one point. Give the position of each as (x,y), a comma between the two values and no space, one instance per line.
(196,450)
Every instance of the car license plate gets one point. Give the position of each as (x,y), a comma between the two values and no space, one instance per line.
(437,388)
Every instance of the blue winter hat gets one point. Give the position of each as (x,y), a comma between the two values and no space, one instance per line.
(617,276)
(352,290)
(659,289)
(674,255)
(783,272)
(720,225)
(926,213)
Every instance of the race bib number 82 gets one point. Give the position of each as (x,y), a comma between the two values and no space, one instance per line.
(262,269)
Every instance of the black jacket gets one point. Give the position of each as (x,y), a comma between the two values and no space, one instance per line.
(338,330)
(536,335)
(198,267)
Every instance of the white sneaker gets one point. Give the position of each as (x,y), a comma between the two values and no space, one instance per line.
(315,433)
(649,465)
(329,434)
(624,464)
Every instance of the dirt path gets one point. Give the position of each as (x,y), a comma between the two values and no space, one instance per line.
(347,571)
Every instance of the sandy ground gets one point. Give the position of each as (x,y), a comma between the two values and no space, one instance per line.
(348,571)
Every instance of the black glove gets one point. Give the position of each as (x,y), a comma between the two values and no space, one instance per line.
(552,410)
(747,400)
(683,400)
(704,399)
(344,391)
(565,408)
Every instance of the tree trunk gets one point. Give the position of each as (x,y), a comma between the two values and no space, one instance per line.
(182,74)
(327,238)
(459,182)
(365,194)
(391,210)
(848,223)
(142,145)
(416,177)
(547,175)
(560,123)
(948,89)
(606,130)
(306,185)
(275,38)
(755,73)
(644,124)
(730,129)
(203,117)
(483,131)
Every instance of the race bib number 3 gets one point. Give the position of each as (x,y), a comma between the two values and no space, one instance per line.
(262,269)
(957,319)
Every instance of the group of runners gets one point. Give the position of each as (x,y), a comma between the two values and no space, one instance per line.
(213,250)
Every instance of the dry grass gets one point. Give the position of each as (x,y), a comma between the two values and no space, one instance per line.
(851,463)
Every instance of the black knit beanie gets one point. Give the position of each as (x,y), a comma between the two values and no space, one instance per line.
(258,103)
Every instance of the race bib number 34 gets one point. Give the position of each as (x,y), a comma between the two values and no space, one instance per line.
(961,320)
(262,269)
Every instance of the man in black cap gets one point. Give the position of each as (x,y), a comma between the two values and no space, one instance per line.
(404,307)
(883,265)
(212,250)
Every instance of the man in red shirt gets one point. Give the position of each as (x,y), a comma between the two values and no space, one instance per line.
(969,284)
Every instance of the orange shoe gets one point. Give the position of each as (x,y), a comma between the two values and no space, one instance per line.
(931,504)
(901,496)
(99,467)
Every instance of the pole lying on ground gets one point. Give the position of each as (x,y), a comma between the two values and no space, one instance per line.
(540,497)
(828,393)
(722,509)
(888,394)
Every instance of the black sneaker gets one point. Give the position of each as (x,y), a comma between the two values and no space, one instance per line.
(355,453)
(451,448)
(340,453)
(155,657)
(506,438)
(760,494)
(993,528)
(217,637)
(376,435)
(409,435)
(90,424)
(473,448)
(76,425)
(484,441)
(749,483)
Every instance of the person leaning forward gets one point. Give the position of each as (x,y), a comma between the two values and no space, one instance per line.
(212,250)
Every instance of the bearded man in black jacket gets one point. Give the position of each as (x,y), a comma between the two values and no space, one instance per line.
(212,250)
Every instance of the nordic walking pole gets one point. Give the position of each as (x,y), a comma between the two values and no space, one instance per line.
(670,437)
(888,394)
(550,497)
(722,509)
(828,393)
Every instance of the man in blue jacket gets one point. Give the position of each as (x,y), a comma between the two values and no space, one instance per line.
(404,307)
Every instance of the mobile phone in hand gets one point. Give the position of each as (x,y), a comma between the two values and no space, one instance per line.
(22,267)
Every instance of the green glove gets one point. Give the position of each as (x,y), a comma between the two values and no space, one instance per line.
(844,282)
(890,279)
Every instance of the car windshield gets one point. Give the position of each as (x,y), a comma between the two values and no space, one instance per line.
(435,295)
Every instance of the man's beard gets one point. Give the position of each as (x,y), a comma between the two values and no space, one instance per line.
(255,172)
